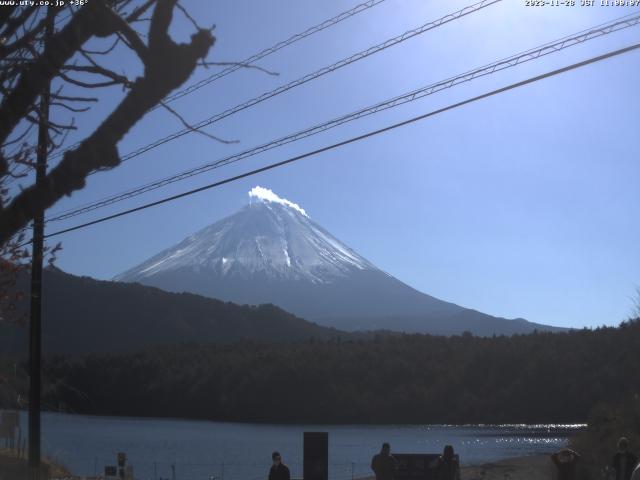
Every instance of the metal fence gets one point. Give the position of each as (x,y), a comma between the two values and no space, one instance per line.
(93,469)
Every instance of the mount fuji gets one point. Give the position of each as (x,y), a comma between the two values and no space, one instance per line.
(270,251)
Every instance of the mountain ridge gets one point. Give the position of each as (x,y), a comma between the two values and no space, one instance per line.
(85,315)
(270,251)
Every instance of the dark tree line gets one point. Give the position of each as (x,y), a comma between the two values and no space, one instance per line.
(123,318)
(536,378)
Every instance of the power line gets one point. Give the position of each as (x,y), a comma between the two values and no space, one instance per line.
(257,56)
(514,60)
(354,139)
(309,77)
(314,75)
(278,46)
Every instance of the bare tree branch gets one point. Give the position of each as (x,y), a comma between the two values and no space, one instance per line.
(102,52)
(138,12)
(167,66)
(80,83)
(87,22)
(12,24)
(20,137)
(131,39)
(69,108)
(23,41)
(98,70)
(241,64)
(190,127)
(57,128)
(188,16)
(74,99)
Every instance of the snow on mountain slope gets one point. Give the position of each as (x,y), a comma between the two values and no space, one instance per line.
(272,252)
(270,236)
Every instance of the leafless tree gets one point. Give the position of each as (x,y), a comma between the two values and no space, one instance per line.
(28,64)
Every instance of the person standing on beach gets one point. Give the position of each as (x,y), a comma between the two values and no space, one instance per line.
(448,466)
(383,464)
(565,461)
(623,461)
(279,471)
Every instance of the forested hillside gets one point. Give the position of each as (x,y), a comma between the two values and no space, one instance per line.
(536,378)
(83,315)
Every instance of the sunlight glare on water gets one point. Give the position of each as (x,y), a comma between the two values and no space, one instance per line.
(237,451)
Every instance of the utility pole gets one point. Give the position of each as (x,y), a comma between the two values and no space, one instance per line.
(35,325)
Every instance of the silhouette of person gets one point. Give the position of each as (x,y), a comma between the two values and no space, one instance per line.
(623,462)
(565,461)
(383,464)
(448,466)
(278,471)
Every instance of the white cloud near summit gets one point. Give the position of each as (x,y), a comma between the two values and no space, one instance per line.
(267,195)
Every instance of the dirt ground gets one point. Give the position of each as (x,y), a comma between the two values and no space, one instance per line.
(520,468)
(12,467)
(537,467)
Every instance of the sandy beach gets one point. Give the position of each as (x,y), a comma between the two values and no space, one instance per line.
(537,467)
(534,467)
(520,468)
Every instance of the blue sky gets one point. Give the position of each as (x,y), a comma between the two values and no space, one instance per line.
(521,205)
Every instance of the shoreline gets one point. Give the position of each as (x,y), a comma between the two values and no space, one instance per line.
(530,467)
(561,428)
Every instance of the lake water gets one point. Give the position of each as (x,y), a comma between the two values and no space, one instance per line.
(202,450)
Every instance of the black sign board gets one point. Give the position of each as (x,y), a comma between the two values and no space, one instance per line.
(316,456)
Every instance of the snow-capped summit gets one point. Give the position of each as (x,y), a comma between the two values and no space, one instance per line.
(271,251)
(267,195)
(271,236)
